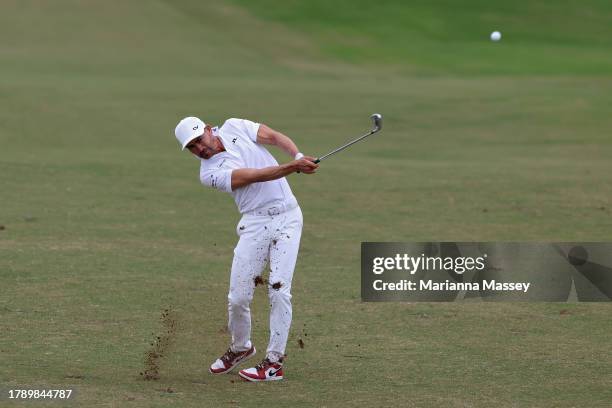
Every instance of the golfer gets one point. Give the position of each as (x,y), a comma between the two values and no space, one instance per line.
(234,160)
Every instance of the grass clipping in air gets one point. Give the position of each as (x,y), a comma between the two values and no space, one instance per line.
(160,345)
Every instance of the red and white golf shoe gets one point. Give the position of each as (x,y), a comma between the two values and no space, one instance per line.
(230,359)
(264,371)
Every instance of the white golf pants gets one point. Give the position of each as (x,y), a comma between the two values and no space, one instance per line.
(273,239)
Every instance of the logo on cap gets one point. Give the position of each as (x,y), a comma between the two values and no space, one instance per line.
(196,127)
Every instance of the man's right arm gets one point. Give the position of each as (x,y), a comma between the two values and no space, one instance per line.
(243,177)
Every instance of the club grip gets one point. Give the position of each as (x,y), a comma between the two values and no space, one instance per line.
(315,162)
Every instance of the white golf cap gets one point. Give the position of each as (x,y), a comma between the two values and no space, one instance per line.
(188,129)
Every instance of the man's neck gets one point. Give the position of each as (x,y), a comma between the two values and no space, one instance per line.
(219,144)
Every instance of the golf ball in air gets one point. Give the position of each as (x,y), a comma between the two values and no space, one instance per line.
(495,36)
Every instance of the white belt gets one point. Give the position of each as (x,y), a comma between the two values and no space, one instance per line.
(275,209)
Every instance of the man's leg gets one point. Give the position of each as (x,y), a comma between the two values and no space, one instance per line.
(283,255)
(250,258)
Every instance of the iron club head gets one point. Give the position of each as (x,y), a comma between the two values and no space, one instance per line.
(377,119)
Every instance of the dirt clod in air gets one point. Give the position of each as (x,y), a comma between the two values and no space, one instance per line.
(160,346)
(301,343)
(277,285)
(2,227)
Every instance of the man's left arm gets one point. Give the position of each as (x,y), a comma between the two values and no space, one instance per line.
(269,136)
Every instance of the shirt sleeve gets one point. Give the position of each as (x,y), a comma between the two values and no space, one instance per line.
(219,178)
(249,128)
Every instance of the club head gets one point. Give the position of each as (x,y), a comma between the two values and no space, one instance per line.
(377,119)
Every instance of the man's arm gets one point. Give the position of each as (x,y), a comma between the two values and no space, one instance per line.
(243,177)
(269,136)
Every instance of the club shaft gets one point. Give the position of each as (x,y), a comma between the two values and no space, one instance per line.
(346,145)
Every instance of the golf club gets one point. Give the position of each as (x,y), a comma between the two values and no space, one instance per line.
(376,118)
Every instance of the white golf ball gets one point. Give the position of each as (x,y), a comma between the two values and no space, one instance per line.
(495,36)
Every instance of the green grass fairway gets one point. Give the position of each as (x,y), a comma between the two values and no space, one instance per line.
(105,225)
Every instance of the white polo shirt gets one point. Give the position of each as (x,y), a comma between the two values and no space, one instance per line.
(239,137)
